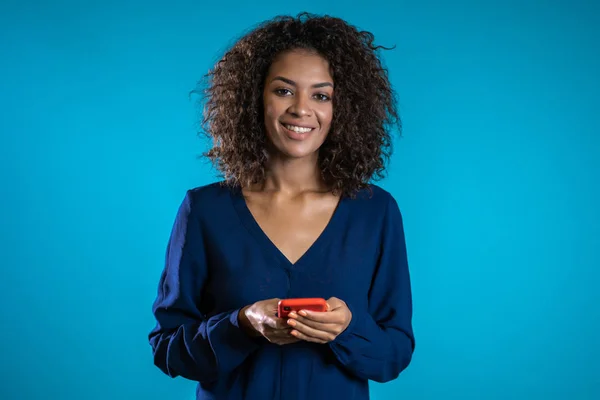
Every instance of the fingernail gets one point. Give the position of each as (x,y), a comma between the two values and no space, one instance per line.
(303,313)
(292,314)
(291,322)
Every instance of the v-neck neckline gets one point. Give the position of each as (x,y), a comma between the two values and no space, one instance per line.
(249,221)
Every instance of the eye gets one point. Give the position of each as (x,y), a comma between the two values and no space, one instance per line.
(282,92)
(322,97)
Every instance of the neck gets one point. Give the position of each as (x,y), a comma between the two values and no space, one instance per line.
(293,176)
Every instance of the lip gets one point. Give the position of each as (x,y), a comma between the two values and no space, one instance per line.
(297,136)
(299,126)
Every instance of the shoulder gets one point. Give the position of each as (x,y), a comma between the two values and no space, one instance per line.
(375,197)
(206,199)
(377,205)
(208,192)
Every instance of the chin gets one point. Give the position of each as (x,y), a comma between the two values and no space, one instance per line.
(295,149)
(291,152)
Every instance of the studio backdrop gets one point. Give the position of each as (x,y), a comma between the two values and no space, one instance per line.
(496,172)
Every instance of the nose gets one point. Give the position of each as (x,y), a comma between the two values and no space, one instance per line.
(300,106)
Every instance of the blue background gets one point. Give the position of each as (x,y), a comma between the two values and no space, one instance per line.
(497,175)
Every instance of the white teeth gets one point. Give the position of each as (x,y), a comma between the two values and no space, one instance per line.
(298,128)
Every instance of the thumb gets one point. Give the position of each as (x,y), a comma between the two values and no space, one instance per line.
(332,303)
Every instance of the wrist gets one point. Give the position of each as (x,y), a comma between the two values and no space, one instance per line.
(244,322)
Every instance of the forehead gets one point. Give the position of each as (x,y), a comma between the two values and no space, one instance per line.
(301,66)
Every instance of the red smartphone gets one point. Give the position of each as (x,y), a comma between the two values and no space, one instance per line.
(286,306)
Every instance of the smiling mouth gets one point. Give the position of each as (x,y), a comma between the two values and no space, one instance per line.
(296,128)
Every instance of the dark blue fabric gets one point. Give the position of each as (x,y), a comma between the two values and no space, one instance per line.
(219,260)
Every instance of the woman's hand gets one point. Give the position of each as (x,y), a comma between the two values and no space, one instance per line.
(321,327)
(260,319)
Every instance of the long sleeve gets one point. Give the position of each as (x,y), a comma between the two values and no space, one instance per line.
(184,342)
(379,342)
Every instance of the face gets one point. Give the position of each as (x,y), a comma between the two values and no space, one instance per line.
(298,103)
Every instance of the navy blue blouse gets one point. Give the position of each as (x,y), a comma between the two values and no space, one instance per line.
(219,261)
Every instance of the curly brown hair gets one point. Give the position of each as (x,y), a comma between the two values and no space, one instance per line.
(358,145)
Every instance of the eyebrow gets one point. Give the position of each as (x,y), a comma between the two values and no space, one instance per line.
(292,83)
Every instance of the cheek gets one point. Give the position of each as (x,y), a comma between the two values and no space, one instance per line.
(269,117)
(269,111)
(272,112)
(326,116)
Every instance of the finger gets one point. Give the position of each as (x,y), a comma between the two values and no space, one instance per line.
(334,303)
(275,323)
(282,340)
(280,336)
(320,326)
(329,317)
(271,304)
(312,332)
(284,333)
(307,338)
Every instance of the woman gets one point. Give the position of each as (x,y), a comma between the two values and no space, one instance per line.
(298,111)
